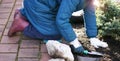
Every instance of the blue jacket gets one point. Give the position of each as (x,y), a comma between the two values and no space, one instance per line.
(51,17)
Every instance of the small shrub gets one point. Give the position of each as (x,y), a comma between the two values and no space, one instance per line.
(108,19)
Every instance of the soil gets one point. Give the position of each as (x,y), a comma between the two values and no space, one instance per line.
(112,53)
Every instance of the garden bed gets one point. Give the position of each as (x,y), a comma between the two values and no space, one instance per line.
(112,53)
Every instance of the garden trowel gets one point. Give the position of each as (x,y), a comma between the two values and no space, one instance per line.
(86,53)
(95,54)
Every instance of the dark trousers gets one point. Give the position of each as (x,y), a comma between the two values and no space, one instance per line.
(32,32)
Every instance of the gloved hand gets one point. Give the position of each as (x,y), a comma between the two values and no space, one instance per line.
(97,43)
(77,47)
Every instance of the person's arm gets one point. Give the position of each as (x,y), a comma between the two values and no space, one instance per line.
(62,20)
(90,19)
(91,27)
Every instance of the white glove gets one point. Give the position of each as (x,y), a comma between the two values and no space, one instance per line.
(60,50)
(76,43)
(97,43)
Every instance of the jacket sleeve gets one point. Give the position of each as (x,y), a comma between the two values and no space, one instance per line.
(62,21)
(90,19)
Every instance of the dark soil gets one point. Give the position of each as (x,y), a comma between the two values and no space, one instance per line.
(112,53)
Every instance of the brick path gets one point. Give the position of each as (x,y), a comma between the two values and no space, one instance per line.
(19,47)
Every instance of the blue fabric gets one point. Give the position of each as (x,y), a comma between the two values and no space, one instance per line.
(79,49)
(90,20)
(51,17)
(31,32)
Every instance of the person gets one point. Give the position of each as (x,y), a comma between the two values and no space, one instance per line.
(49,20)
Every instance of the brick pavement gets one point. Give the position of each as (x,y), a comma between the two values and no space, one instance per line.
(19,47)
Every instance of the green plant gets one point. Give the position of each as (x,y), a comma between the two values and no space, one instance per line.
(108,19)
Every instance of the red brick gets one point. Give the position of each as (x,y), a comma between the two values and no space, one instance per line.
(9,24)
(19,3)
(8,48)
(4,15)
(27,59)
(3,21)
(30,44)
(6,39)
(2,28)
(5,10)
(7,57)
(12,16)
(32,53)
(8,6)
(43,48)
(6,32)
(45,57)
(8,1)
